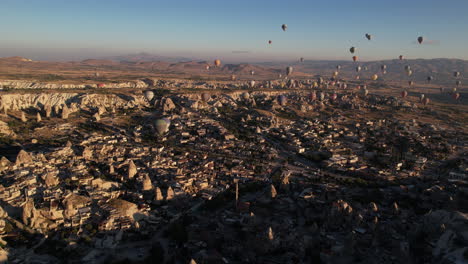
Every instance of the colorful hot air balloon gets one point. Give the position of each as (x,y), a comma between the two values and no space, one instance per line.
(409,72)
(374,77)
(455,96)
(233,77)
(458,82)
(430,78)
(335,74)
(284,27)
(289,70)
(383,67)
(334,96)
(207,67)
(352,49)
(252,84)
(282,100)
(252,72)
(410,83)
(407,68)
(358,68)
(404,94)
(217,63)
(421,97)
(368,36)
(355,58)
(420,40)
(161,126)
(149,95)
(357,77)
(338,67)
(401,57)
(269,42)
(456,74)
(206,97)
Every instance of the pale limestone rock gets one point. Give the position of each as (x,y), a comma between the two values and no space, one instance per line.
(23,158)
(170,194)
(158,196)
(132,169)
(23,117)
(38,117)
(65,112)
(147,185)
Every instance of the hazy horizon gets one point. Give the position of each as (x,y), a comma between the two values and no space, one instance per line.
(233,31)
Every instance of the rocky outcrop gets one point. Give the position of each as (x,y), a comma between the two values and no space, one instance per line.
(23,158)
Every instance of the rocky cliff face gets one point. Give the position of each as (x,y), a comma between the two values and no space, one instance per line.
(51,100)
(16,84)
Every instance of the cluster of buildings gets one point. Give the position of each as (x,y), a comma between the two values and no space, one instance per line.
(240,178)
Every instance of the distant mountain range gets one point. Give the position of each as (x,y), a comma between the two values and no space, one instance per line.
(144,64)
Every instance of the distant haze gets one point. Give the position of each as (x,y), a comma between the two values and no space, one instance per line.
(233,31)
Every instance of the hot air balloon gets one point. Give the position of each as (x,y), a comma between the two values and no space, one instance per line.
(207,67)
(368,36)
(149,95)
(357,77)
(430,78)
(458,82)
(383,67)
(335,74)
(410,83)
(426,101)
(217,63)
(374,77)
(358,68)
(404,94)
(384,72)
(315,85)
(352,49)
(401,57)
(161,126)
(269,42)
(421,97)
(282,100)
(252,72)
(334,96)
(233,77)
(289,70)
(338,67)
(206,97)
(284,27)
(355,58)
(456,74)
(252,84)
(454,90)
(280,76)
(420,40)
(407,68)
(301,59)
(456,96)
(409,72)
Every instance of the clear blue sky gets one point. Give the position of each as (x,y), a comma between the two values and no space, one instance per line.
(206,29)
